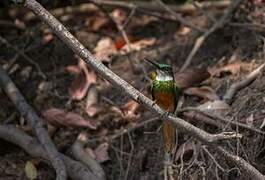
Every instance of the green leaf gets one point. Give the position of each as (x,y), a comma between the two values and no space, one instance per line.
(30,170)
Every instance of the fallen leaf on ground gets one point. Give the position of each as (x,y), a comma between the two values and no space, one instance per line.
(30,170)
(119,16)
(104,49)
(138,45)
(98,22)
(206,93)
(73,69)
(183,31)
(90,152)
(47,38)
(92,107)
(232,68)
(249,120)
(129,111)
(20,24)
(120,42)
(185,151)
(191,77)
(217,107)
(84,79)
(58,117)
(101,152)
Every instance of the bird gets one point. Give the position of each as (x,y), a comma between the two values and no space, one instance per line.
(165,94)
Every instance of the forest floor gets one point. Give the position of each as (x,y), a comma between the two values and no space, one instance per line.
(69,86)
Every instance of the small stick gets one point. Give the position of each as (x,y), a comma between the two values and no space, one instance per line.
(234,88)
(212,116)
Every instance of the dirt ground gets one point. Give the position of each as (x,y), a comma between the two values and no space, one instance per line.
(138,154)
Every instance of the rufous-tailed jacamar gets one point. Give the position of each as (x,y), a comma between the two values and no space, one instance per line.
(166,94)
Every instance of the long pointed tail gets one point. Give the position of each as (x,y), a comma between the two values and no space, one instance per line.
(169,137)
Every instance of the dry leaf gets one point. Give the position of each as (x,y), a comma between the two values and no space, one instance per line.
(138,45)
(119,16)
(206,93)
(183,31)
(73,69)
(257,2)
(120,41)
(101,152)
(249,120)
(58,117)
(20,24)
(90,152)
(104,49)
(98,22)
(232,68)
(30,170)
(131,110)
(185,150)
(82,82)
(79,87)
(47,38)
(191,77)
(216,107)
(91,102)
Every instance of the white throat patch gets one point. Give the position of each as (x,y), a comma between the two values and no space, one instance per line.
(162,77)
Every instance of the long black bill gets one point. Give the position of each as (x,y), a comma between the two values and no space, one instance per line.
(152,63)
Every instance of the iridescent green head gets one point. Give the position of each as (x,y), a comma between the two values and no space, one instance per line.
(164,72)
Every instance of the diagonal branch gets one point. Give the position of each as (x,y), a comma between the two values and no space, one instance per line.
(35,121)
(247,168)
(115,80)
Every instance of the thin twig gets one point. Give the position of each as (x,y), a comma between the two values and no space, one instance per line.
(21,53)
(115,80)
(126,130)
(213,158)
(200,40)
(234,88)
(35,121)
(216,119)
(252,26)
(130,157)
